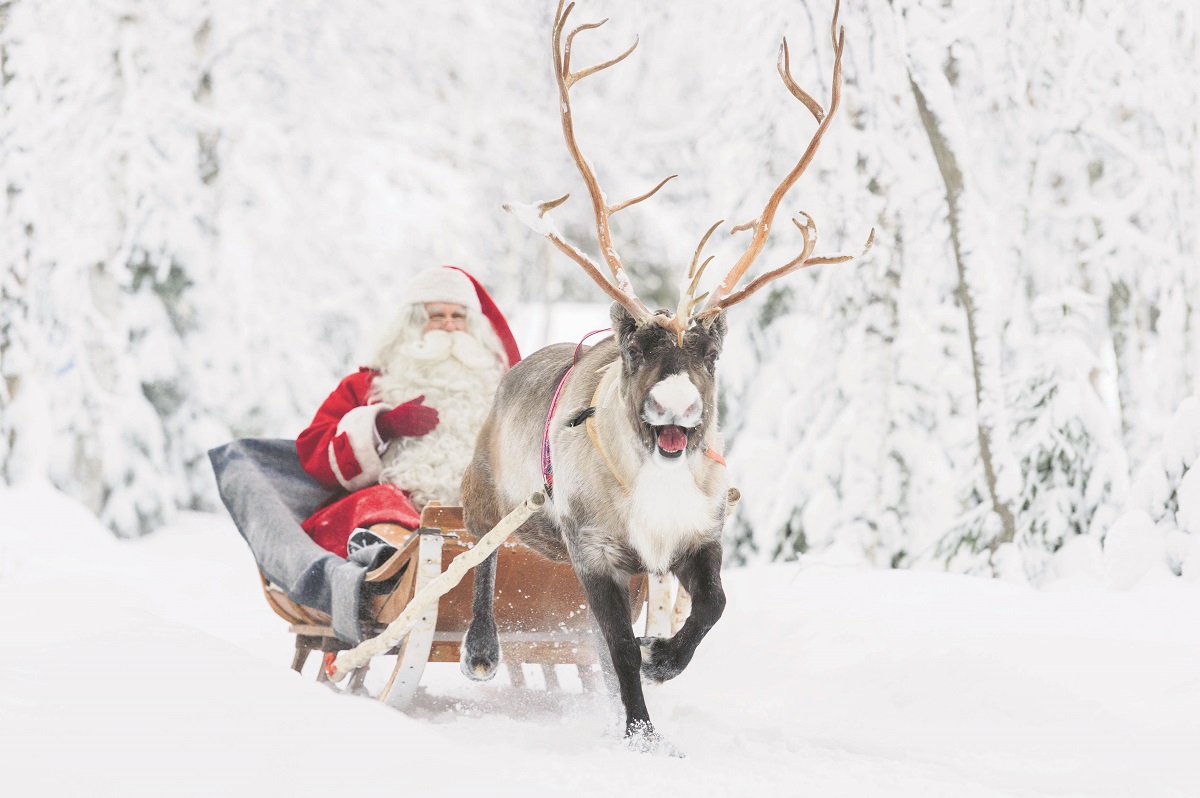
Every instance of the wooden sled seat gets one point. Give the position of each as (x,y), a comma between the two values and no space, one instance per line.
(540,609)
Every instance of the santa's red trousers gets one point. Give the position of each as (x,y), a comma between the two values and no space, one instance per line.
(331,526)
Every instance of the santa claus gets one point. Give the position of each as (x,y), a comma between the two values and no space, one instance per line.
(399,432)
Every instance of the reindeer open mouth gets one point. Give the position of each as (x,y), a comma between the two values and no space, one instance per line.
(671,440)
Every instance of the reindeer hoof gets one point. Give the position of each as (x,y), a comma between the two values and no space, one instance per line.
(658,660)
(641,738)
(478,671)
(480,656)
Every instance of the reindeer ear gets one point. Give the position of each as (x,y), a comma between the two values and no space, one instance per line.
(625,328)
(717,327)
(623,323)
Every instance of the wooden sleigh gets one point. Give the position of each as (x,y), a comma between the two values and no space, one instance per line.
(541,610)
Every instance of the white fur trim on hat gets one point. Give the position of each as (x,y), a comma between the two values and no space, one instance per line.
(443,285)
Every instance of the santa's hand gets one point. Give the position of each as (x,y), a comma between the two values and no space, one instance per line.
(411,419)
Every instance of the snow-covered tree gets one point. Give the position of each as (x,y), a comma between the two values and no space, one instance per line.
(1073,471)
(106,199)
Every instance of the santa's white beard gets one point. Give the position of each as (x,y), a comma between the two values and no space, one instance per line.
(458,377)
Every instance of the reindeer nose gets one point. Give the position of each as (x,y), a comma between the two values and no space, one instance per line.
(657,406)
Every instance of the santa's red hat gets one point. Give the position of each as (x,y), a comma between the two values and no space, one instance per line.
(457,286)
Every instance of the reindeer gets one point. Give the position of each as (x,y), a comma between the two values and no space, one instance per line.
(628,430)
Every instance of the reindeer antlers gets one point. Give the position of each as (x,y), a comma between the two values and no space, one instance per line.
(622,291)
(722,296)
(692,308)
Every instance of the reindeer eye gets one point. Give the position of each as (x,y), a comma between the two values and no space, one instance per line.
(634,353)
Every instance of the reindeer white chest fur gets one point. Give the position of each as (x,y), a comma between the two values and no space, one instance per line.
(668,515)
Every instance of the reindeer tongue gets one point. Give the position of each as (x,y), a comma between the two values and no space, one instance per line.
(672,439)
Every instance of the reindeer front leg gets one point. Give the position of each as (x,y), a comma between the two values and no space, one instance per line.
(609,601)
(480,655)
(700,574)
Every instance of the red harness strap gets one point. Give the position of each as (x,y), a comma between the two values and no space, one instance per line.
(713,454)
(547,466)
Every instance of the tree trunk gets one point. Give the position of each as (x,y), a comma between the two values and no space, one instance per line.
(952,177)
(1122,328)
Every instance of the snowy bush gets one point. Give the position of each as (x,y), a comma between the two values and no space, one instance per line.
(1073,472)
(1164,516)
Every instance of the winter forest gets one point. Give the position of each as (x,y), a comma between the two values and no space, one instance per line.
(966,559)
(210,206)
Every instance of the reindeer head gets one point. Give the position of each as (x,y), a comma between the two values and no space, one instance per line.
(669,386)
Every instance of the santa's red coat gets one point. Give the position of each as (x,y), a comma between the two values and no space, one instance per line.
(339,449)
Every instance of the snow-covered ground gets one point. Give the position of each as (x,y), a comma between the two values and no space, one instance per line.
(155,668)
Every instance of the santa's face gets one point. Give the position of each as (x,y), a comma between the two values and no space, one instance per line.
(445,316)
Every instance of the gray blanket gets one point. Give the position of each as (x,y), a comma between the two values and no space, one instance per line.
(269,494)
